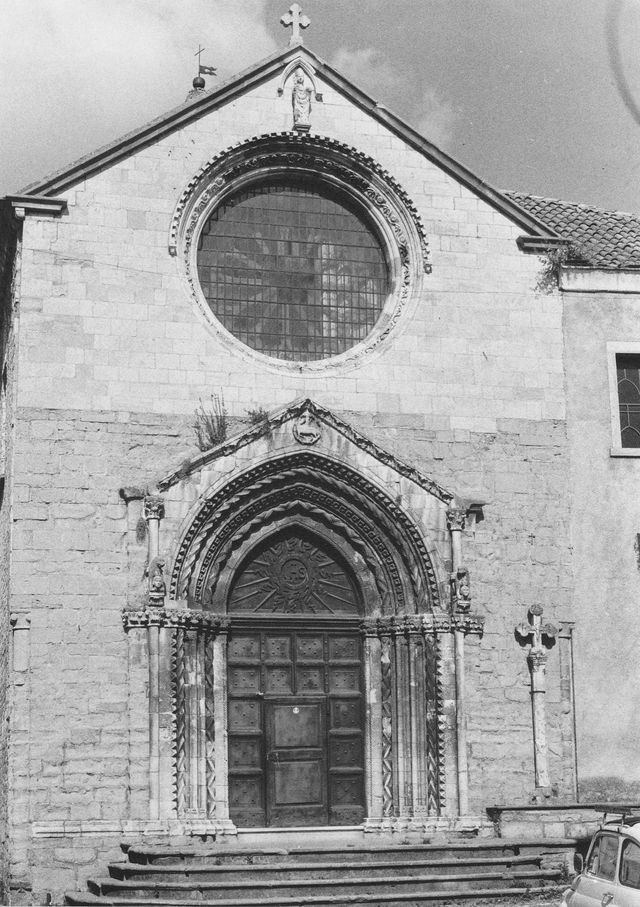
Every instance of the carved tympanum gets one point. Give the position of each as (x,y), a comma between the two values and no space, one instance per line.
(293,574)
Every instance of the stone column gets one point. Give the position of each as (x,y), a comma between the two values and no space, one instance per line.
(373,724)
(456,517)
(541,638)
(153,513)
(567,696)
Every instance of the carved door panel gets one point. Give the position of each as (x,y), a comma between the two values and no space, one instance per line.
(296,762)
(296,742)
(245,728)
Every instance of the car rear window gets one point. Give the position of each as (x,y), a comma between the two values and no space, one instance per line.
(603,857)
(630,865)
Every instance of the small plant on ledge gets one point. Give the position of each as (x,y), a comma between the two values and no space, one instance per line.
(554,260)
(260,416)
(210,423)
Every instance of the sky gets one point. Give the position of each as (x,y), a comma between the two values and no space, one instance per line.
(537,95)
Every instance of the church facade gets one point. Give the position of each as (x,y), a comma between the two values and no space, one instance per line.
(353,608)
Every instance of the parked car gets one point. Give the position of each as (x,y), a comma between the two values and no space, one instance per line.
(610,876)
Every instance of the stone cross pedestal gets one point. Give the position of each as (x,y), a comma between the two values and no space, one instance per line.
(541,637)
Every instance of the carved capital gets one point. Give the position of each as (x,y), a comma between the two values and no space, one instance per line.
(178,618)
(422,624)
(20,621)
(456,519)
(469,624)
(153,508)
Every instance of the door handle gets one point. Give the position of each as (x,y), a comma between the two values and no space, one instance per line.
(606,899)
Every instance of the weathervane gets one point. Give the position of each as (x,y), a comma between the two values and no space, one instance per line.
(295,19)
(198,82)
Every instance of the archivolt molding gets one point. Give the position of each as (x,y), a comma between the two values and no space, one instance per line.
(362,523)
(315,473)
(315,158)
(218,555)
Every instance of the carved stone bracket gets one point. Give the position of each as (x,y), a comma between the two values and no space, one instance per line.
(179,618)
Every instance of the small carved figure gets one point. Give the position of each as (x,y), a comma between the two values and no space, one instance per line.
(306,428)
(157,585)
(301,103)
(461,589)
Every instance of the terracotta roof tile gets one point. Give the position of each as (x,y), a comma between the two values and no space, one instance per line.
(604,239)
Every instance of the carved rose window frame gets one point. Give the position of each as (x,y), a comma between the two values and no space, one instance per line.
(358,177)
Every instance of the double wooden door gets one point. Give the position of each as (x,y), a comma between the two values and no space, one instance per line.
(295,725)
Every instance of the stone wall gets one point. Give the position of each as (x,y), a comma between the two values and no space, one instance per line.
(9,275)
(605,527)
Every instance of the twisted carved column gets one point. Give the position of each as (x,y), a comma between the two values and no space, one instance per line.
(456,520)
(411,710)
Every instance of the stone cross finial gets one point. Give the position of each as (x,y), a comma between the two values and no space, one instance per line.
(535,630)
(297,20)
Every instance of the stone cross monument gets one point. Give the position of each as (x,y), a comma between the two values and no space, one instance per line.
(541,637)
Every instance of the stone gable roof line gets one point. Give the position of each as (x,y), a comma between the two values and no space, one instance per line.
(193,109)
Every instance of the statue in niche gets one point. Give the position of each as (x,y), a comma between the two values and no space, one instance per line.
(301,103)
(461,589)
(157,585)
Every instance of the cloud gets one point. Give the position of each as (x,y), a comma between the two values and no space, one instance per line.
(78,73)
(368,69)
(435,118)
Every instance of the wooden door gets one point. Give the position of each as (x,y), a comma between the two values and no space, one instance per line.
(296,740)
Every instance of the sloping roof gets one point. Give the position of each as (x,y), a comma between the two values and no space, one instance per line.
(194,108)
(603,239)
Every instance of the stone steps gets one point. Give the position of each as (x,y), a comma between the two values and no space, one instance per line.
(385,875)
(222,873)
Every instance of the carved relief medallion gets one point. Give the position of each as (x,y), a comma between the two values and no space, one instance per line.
(306,429)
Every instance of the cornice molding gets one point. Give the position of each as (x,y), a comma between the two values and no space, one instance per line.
(35,206)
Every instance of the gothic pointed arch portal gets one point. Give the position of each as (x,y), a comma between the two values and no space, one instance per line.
(323,680)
